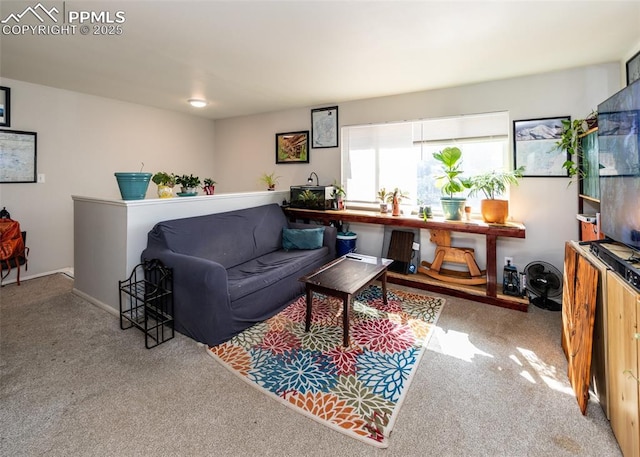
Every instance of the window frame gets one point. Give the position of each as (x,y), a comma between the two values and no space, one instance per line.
(499,135)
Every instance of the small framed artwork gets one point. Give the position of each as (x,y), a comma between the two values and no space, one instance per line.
(324,127)
(5,106)
(633,69)
(292,147)
(18,156)
(535,147)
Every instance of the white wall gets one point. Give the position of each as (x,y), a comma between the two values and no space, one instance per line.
(82,141)
(246,150)
(546,205)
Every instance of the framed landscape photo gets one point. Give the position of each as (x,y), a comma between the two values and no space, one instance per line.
(292,147)
(633,69)
(535,147)
(18,156)
(5,106)
(324,127)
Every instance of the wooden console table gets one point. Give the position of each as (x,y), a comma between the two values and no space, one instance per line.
(485,294)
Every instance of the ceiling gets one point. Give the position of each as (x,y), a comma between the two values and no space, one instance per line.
(248,57)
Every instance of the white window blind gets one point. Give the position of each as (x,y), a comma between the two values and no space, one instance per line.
(401,155)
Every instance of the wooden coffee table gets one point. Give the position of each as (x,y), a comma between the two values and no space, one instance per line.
(343,278)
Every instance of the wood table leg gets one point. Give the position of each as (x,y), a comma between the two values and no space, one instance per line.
(345,320)
(384,287)
(307,324)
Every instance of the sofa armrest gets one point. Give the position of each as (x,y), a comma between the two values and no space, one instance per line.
(330,235)
(200,294)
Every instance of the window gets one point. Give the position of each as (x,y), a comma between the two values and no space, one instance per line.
(401,155)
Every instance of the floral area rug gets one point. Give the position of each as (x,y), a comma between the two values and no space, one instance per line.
(357,390)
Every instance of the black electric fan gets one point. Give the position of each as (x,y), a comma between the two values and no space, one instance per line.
(544,282)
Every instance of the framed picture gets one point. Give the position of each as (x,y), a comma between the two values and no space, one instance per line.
(292,147)
(5,106)
(633,68)
(535,147)
(18,156)
(324,127)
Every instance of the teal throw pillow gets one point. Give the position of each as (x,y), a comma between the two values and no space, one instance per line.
(302,238)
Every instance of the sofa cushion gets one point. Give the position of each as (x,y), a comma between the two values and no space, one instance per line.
(302,238)
(268,269)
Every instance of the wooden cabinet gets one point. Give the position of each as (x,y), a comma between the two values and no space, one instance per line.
(579,299)
(615,363)
(623,349)
(589,231)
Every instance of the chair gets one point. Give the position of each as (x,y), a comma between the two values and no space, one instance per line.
(19,259)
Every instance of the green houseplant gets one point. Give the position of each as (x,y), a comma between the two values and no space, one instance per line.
(493,184)
(338,194)
(270,180)
(164,179)
(383,196)
(451,183)
(395,198)
(572,132)
(209,186)
(308,199)
(165,183)
(188,183)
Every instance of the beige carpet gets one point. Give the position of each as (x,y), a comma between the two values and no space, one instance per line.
(492,383)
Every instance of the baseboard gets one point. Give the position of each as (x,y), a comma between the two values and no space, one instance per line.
(96,302)
(65,271)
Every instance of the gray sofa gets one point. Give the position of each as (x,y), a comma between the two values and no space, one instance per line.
(230,270)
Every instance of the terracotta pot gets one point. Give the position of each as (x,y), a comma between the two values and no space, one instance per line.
(494,211)
(396,207)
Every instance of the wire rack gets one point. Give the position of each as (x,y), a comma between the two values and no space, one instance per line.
(146,302)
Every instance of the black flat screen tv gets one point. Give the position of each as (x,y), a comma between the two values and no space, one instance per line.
(619,156)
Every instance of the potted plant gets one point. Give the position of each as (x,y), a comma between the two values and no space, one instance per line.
(270,180)
(338,195)
(165,183)
(395,198)
(383,196)
(209,186)
(493,184)
(308,199)
(189,184)
(451,183)
(133,185)
(420,208)
(572,132)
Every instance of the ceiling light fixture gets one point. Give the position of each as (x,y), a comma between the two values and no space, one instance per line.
(197,103)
